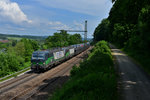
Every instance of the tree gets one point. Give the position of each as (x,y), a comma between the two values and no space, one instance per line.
(20,49)
(28,49)
(34,44)
(14,42)
(129,23)
(75,39)
(102,31)
(143,26)
(62,39)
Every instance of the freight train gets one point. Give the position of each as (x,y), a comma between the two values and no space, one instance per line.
(43,60)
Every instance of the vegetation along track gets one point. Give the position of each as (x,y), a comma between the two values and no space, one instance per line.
(29,88)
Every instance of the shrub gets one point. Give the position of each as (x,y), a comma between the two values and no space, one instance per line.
(94,79)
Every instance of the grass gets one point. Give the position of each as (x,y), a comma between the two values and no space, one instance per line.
(14,38)
(94,79)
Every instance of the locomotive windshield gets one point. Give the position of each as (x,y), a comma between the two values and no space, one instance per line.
(38,56)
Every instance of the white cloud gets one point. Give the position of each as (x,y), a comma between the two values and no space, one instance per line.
(56,25)
(12,12)
(59,26)
(90,7)
(45,19)
(78,26)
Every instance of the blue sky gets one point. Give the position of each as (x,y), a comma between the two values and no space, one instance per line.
(44,17)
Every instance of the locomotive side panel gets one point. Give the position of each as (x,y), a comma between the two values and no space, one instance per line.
(71,51)
(58,55)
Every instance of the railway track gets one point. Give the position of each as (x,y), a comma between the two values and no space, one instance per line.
(35,90)
(8,85)
(28,89)
(56,77)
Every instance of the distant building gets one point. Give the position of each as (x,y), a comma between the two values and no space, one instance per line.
(4,41)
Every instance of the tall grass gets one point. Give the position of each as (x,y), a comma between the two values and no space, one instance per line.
(94,79)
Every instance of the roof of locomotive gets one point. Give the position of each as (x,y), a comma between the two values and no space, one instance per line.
(40,52)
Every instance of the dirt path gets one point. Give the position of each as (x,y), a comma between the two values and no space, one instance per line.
(135,84)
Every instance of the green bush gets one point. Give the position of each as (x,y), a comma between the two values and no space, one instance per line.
(94,79)
(17,57)
(9,63)
(95,86)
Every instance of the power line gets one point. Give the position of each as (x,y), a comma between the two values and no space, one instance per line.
(85,31)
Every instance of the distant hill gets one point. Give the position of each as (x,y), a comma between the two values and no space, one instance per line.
(7,36)
(17,37)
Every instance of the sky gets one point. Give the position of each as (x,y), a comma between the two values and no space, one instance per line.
(45,17)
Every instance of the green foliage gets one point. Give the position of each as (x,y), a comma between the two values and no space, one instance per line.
(62,39)
(113,0)
(94,79)
(140,43)
(19,49)
(129,22)
(17,56)
(143,25)
(14,42)
(3,45)
(9,63)
(75,39)
(30,46)
(122,33)
(102,31)
(34,44)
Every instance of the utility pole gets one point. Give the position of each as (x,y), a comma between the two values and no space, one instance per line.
(85,31)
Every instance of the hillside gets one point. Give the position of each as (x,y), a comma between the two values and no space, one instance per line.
(8,36)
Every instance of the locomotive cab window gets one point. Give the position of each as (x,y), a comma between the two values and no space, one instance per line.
(38,56)
(34,56)
(41,56)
